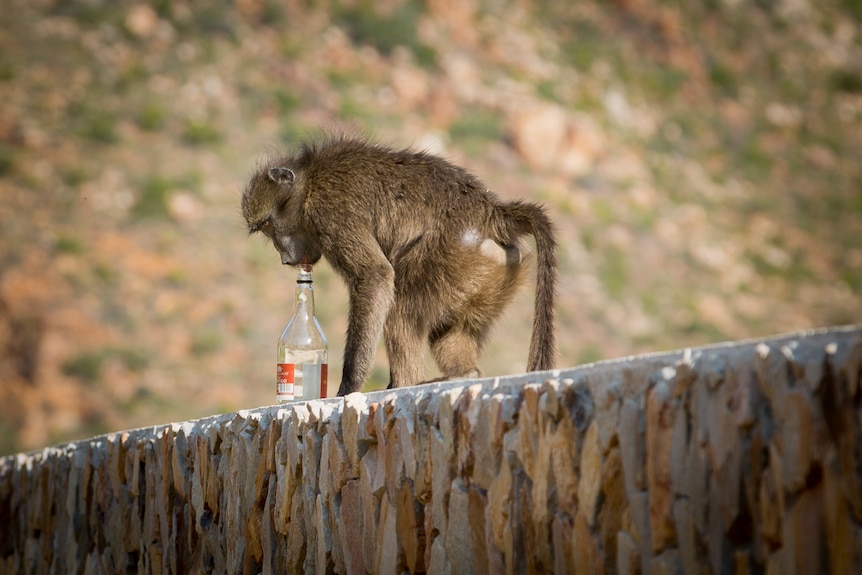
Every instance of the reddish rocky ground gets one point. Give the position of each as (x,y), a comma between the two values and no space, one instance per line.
(702,166)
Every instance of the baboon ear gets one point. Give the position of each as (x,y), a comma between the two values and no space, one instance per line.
(282,175)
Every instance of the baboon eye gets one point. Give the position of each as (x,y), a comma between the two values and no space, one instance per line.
(264,226)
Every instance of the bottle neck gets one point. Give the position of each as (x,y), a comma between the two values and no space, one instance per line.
(304,294)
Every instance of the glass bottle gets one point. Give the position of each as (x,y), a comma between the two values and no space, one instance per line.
(302,351)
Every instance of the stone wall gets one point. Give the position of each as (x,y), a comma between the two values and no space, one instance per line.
(739,458)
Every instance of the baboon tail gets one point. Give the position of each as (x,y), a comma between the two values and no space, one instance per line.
(516,219)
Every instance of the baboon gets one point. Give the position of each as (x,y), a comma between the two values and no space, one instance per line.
(427,251)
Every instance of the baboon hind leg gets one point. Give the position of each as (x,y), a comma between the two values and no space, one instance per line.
(457,353)
(486,290)
(404,346)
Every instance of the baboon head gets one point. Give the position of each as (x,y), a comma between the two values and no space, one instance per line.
(272,204)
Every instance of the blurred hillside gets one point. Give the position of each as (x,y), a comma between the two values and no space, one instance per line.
(701,160)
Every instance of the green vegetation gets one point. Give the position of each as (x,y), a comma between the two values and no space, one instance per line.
(723,78)
(7,159)
(152,198)
(152,116)
(286,101)
(87,366)
(201,132)
(97,124)
(849,81)
(366,23)
(88,14)
(74,176)
(581,41)
(475,128)
(206,341)
(613,272)
(68,245)
(7,70)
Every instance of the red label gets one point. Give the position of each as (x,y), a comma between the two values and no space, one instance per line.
(324,369)
(285,373)
(284,380)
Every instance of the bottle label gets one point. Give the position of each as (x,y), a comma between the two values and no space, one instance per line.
(324,369)
(284,382)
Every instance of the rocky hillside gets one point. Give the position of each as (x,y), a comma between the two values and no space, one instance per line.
(702,164)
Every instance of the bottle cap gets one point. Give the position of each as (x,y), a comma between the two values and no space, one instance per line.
(303,276)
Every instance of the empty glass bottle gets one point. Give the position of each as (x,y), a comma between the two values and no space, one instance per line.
(302,350)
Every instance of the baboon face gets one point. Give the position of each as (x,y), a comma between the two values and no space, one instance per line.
(270,206)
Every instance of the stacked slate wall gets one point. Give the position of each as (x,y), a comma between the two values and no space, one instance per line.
(738,458)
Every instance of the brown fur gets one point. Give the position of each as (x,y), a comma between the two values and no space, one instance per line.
(427,251)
